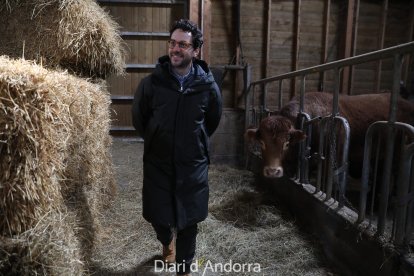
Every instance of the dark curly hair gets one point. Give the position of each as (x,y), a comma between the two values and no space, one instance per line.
(189,26)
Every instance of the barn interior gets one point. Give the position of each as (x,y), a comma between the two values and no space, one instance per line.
(247,44)
(249,41)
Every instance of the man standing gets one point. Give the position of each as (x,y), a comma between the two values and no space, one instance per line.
(176,109)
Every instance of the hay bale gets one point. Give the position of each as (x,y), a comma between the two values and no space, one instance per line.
(49,248)
(55,149)
(77,35)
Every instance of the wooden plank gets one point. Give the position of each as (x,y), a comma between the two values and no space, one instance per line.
(144,35)
(121,98)
(267,37)
(267,46)
(410,37)
(354,47)
(295,45)
(344,87)
(380,45)
(155,2)
(194,7)
(139,66)
(325,40)
(206,25)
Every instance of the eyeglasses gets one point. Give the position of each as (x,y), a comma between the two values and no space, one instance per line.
(182,44)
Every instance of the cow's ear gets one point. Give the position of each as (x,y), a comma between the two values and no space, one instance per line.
(296,136)
(250,135)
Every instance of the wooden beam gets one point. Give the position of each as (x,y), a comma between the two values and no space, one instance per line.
(325,41)
(410,37)
(295,45)
(347,46)
(354,47)
(267,38)
(194,11)
(380,45)
(267,48)
(206,29)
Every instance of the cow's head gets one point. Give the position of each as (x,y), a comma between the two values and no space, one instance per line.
(275,134)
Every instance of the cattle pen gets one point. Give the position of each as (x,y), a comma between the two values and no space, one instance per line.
(373,240)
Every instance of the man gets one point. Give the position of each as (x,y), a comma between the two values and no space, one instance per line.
(176,109)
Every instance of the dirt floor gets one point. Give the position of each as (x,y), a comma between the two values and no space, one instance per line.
(244,234)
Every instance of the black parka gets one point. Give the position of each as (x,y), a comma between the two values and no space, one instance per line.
(176,123)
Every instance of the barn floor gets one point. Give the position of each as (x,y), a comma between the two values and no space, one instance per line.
(243,228)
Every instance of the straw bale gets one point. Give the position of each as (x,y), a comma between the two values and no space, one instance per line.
(49,248)
(77,35)
(54,132)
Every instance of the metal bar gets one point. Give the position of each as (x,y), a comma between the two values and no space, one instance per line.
(303,164)
(366,169)
(402,191)
(380,54)
(331,157)
(403,187)
(342,179)
(321,153)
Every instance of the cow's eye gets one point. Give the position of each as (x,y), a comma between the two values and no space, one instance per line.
(286,145)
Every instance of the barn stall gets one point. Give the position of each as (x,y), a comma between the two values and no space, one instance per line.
(259,39)
(263,40)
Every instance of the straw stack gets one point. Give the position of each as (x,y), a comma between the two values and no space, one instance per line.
(49,248)
(77,35)
(54,152)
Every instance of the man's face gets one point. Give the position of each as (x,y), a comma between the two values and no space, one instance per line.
(180,57)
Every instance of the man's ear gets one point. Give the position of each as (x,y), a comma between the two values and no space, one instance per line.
(196,52)
(296,136)
(250,135)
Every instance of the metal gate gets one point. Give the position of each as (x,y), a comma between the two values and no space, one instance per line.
(395,225)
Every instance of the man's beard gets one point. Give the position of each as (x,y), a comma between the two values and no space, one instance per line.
(185,61)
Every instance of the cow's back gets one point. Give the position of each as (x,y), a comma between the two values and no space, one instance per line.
(359,110)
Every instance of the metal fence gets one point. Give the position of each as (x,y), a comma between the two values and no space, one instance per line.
(390,213)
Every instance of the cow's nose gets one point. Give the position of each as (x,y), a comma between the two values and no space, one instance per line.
(273,171)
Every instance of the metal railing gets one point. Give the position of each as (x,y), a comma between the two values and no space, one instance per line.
(335,177)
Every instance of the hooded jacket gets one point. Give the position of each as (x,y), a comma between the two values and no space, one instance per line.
(176,123)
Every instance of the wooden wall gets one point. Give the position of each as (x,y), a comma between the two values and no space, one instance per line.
(292,36)
(276,36)
(145,29)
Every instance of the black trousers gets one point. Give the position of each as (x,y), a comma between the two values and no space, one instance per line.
(185,244)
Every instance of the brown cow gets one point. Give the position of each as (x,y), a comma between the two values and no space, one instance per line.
(275,133)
